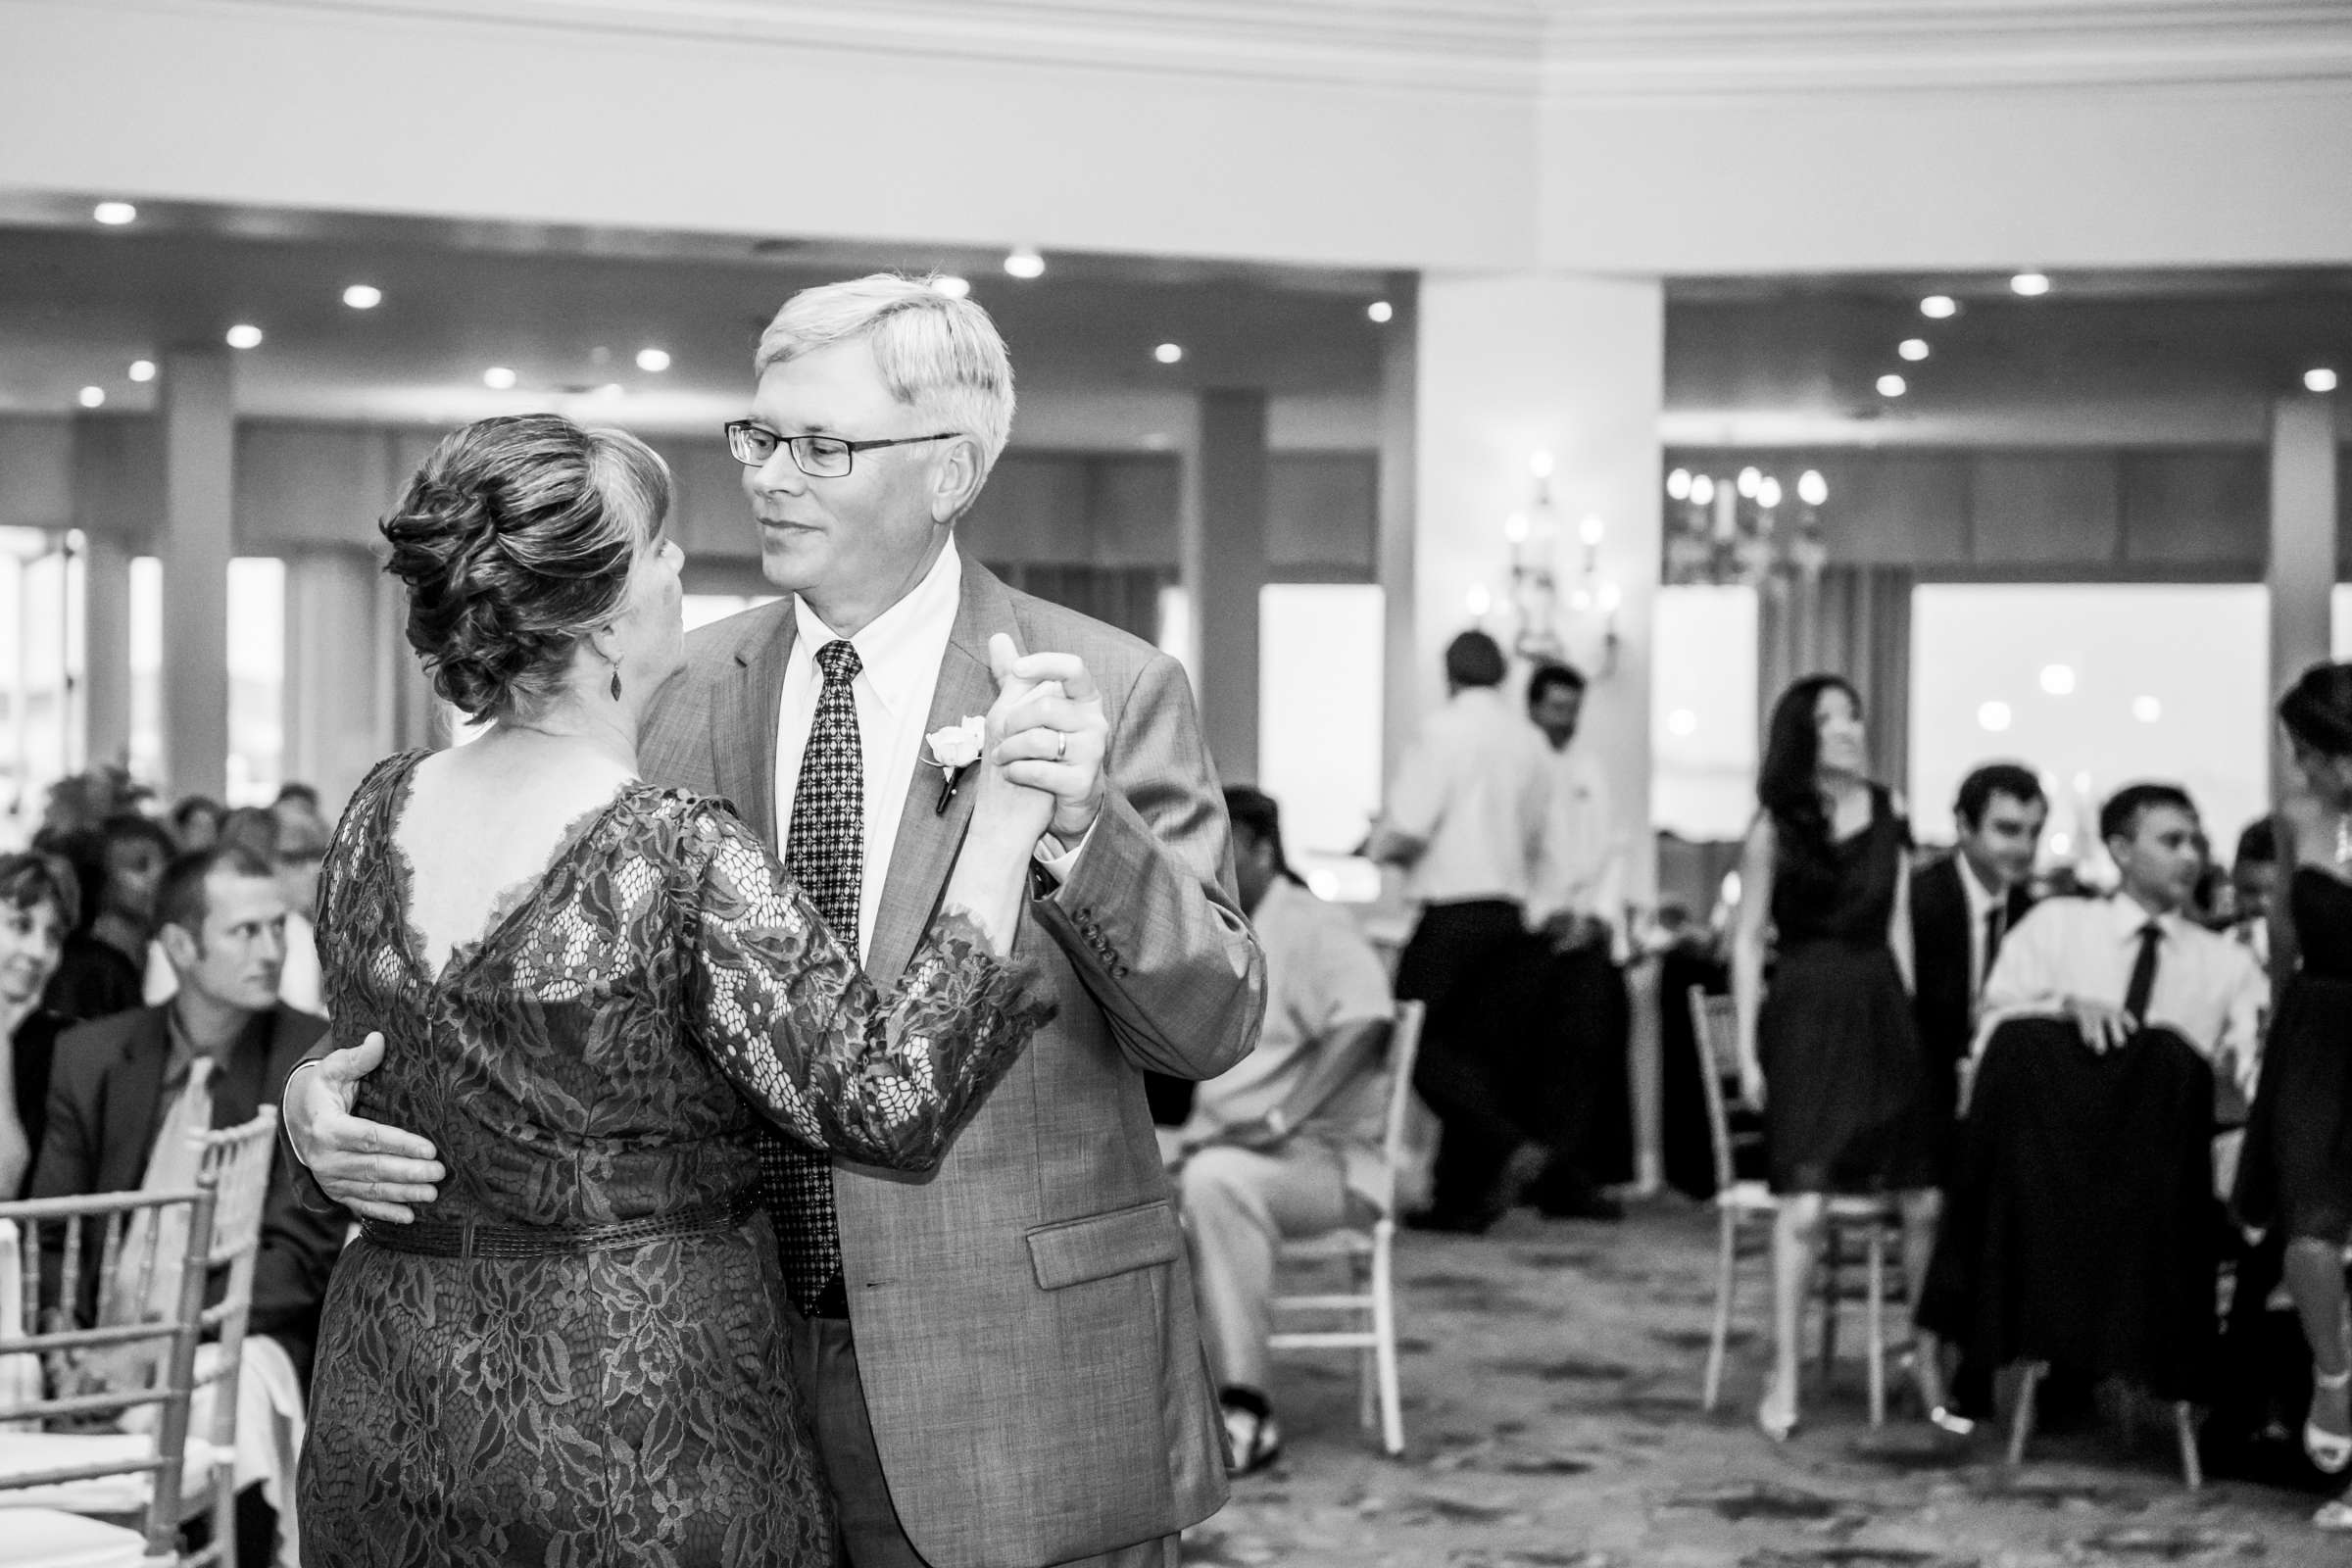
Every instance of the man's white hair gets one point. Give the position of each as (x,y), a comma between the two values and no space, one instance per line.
(940,354)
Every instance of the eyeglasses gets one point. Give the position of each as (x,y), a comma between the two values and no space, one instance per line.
(820,457)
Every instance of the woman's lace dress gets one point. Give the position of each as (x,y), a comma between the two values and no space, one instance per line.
(595,1060)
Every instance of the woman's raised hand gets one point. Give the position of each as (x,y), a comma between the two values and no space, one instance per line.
(1002,802)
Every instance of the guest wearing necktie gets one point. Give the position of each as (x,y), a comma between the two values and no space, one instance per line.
(1963,906)
(124,1086)
(2119,964)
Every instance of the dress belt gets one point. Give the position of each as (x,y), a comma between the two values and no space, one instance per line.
(472,1239)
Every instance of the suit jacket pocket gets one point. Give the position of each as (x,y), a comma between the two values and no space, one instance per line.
(1100,1245)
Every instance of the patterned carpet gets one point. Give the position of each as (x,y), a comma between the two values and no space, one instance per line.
(1552,1375)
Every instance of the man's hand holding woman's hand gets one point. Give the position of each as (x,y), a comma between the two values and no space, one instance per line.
(1048,732)
(373,1170)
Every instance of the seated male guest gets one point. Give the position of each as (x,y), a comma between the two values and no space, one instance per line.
(1286,1142)
(1964,906)
(211,1058)
(2116,964)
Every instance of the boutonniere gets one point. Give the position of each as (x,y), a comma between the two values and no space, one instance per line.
(953,750)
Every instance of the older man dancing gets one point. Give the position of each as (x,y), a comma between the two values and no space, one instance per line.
(1002,1360)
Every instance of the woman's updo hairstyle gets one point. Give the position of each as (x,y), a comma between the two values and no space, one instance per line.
(515,540)
(2317,710)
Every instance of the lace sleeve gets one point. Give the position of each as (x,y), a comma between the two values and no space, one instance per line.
(790,1018)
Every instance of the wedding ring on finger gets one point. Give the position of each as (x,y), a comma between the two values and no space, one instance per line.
(1062,745)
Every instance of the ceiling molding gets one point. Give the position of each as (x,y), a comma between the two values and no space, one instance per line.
(1641,47)
(1479,46)
(1567,50)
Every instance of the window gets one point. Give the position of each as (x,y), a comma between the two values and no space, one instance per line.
(1703,719)
(2093,686)
(40,673)
(1319,693)
(257,678)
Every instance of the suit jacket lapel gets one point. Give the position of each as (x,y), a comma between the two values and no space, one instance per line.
(928,839)
(744,728)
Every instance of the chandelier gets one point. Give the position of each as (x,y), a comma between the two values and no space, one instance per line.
(1741,530)
(1559,605)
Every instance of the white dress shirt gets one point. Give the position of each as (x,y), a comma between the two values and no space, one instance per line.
(2207,986)
(1474,790)
(1581,871)
(899,653)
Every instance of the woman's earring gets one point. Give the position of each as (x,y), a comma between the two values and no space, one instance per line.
(617,680)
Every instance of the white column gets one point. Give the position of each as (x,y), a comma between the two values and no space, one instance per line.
(199,417)
(336,723)
(1574,368)
(2302,574)
(1402,661)
(106,649)
(1230,456)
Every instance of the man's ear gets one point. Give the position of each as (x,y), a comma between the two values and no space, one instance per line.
(955,481)
(179,946)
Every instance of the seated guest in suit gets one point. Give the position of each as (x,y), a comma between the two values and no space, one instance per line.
(2114,965)
(1578,1071)
(224,1035)
(1287,1144)
(1963,906)
(39,901)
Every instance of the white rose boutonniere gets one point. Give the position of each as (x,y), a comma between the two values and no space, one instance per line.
(954,750)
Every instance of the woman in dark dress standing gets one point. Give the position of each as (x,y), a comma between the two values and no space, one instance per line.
(2296,1168)
(1828,1049)
(39,898)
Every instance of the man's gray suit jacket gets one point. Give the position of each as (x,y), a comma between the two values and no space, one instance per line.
(1025,1314)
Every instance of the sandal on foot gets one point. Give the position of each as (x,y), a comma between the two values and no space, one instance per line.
(2329,1452)
(1254,1440)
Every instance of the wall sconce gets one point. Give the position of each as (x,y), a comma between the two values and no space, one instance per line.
(1736,530)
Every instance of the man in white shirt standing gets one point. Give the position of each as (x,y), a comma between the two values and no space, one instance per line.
(1465,819)
(2116,964)
(1578,1071)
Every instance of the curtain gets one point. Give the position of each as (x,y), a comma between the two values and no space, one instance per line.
(1854,621)
(1126,596)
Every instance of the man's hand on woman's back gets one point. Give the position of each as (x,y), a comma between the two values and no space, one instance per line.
(373,1170)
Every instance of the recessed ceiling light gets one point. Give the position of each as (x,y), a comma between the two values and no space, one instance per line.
(1168,353)
(1025,263)
(1993,716)
(2319,379)
(2058,680)
(952,287)
(142,369)
(92,396)
(114,214)
(1381,311)
(656,360)
(1892,386)
(2029,284)
(1913,348)
(1940,307)
(498,378)
(363,296)
(2147,710)
(244,336)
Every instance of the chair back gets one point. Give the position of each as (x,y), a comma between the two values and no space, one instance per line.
(1715,1029)
(1404,1048)
(235,1166)
(65,1244)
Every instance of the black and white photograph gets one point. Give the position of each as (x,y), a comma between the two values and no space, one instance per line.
(1212,784)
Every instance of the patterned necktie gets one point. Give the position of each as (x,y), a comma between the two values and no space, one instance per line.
(824,849)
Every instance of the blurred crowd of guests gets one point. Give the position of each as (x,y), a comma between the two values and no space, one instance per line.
(159,975)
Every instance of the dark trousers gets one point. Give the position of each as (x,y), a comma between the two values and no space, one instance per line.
(825,1356)
(1576,1076)
(1468,963)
